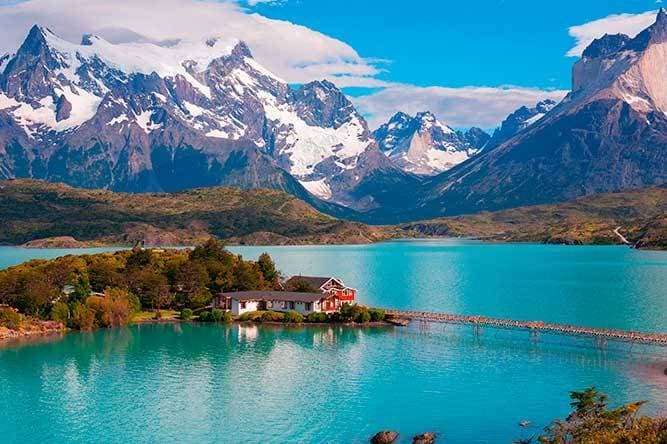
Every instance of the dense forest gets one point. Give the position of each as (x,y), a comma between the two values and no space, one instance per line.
(106,290)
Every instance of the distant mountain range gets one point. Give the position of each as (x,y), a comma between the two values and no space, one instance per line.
(423,145)
(608,134)
(140,117)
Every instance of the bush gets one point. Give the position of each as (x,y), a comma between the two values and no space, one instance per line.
(9,318)
(354,313)
(115,309)
(205,316)
(227,317)
(60,313)
(248,316)
(362,317)
(293,317)
(186,314)
(83,317)
(217,314)
(272,316)
(376,314)
(317,317)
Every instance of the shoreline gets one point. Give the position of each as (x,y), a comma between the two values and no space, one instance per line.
(10,337)
(85,245)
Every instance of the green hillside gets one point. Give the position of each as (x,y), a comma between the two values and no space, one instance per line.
(53,214)
(640,214)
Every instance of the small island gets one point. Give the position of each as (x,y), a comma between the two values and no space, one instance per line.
(207,284)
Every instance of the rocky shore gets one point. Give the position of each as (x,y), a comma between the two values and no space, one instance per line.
(31,328)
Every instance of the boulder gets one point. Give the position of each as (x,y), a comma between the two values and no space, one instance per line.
(424,438)
(385,437)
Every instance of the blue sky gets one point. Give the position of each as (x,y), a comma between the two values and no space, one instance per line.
(458,43)
(470,62)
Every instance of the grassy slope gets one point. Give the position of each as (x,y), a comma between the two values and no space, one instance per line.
(35,210)
(641,214)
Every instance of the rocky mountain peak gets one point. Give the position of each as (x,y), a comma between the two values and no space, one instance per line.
(321,103)
(605,45)
(241,50)
(28,73)
(422,144)
(519,120)
(475,137)
(90,39)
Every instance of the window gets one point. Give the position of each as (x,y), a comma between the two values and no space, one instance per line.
(291,305)
(309,306)
(242,305)
(284,305)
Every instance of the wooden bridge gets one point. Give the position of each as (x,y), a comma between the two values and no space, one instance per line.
(534,327)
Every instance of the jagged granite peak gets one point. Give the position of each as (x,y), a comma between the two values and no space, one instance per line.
(28,72)
(241,50)
(607,44)
(148,117)
(476,137)
(321,103)
(635,73)
(422,144)
(519,120)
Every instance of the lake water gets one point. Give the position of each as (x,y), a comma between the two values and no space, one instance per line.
(176,383)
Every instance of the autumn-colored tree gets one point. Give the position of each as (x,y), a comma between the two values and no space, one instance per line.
(593,422)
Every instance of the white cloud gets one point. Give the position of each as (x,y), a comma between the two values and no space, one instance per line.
(295,53)
(463,107)
(256,2)
(629,24)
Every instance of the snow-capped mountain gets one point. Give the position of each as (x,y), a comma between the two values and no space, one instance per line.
(144,117)
(519,120)
(608,134)
(425,146)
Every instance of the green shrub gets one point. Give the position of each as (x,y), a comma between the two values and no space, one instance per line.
(227,317)
(293,317)
(362,317)
(158,315)
(83,317)
(245,317)
(272,316)
(217,314)
(186,314)
(60,313)
(354,313)
(376,314)
(205,316)
(317,317)
(9,318)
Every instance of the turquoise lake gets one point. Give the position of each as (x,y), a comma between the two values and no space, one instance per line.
(205,383)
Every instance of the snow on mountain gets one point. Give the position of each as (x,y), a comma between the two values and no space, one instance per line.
(608,134)
(423,145)
(519,120)
(142,106)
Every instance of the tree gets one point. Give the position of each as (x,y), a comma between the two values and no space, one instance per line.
(37,295)
(60,313)
(302,286)
(151,287)
(82,289)
(268,269)
(83,317)
(246,276)
(138,258)
(592,422)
